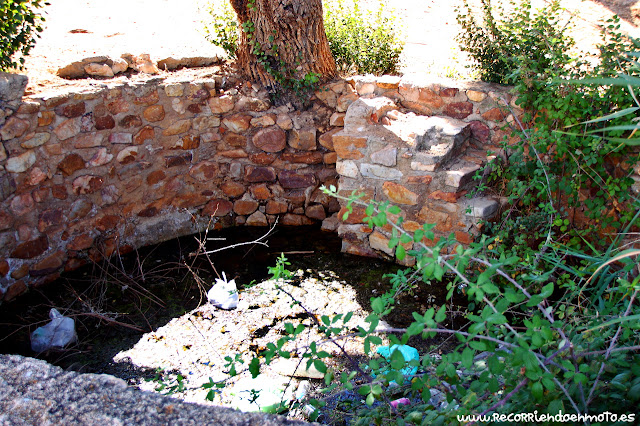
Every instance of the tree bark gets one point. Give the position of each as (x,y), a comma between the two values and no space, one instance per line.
(282,40)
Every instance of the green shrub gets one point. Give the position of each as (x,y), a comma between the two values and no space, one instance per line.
(221,28)
(19,27)
(505,41)
(361,41)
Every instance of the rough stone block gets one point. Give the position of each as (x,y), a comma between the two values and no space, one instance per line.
(482,208)
(399,194)
(270,139)
(373,171)
(20,163)
(347,168)
(386,156)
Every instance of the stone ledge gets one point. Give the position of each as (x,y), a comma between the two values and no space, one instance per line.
(35,392)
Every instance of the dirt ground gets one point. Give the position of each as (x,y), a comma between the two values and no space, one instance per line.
(78,29)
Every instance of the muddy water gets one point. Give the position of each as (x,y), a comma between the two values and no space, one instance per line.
(114,302)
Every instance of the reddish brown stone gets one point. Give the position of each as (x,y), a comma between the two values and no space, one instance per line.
(143,134)
(495,114)
(130,121)
(59,192)
(313,157)
(81,242)
(330,158)
(5,220)
(194,108)
(31,249)
(189,142)
(356,216)
(290,219)
(237,123)
(154,113)
(425,180)
(103,123)
(450,197)
(25,232)
(149,211)
(148,99)
(232,189)
(449,92)
(49,218)
(259,174)
(87,184)
(296,197)
(74,263)
(155,177)
(118,106)
(71,164)
(107,222)
(430,98)
(234,139)
(204,171)
(22,204)
(219,207)
(48,265)
(4,267)
(178,160)
(15,290)
(270,139)
(13,128)
(262,158)
(20,272)
(234,153)
(347,146)
(89,140)
(459,110)
(80,208)
(276,207)
(315,211)
(326,139)
(71,110)
(245,207)
(295,179)
(399,194)
(464,237)
(260,192)
(45,118)
(479,131)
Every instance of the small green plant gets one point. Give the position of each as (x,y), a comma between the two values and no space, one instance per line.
(362,40)
(280,271)
(20,25)
(221,27)
(166,384)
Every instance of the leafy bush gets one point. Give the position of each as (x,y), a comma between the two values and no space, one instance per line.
(19,26)
(222,29)
(503,42)
(361,41)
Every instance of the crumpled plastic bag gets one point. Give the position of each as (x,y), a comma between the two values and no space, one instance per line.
(60,332)
(224,294)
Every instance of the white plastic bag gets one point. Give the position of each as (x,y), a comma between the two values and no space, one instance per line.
(224,294)
(60,332)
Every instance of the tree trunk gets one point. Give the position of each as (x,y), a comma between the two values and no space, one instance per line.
(282,41)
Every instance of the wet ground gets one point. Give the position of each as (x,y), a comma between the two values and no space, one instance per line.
(144,317)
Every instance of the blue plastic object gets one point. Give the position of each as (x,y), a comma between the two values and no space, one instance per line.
(409,353)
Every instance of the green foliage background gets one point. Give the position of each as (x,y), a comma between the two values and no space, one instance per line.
(20,24)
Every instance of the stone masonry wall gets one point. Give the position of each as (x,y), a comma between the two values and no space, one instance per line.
(88,173)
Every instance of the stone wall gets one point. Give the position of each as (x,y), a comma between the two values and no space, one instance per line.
(120,164)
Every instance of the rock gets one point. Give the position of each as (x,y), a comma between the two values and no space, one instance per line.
(221,105)
(271,139)
(476,96)
(12,86)
(67,129)
(459,110)
(482,208)
(37,140)
(218,207)
(71,164)
(119,65)
(13,128)
(173,90)
(245,206)
(22,204)
(303,139)
(399,194)
(315,211)
(276,207)
(291,179)
(205,122)
(20,163)
(104,123)
(373,171)
(121,138)
(259,174)
(378,241)
(237,123)
(257,219)
(127,155)
(144,64)
(347,146)
(31,249)
(386,156)
(98,70)
(233,189)
(144,134)
(204,171)
(177,127)
(87,184)
(347,168)
(171,63)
